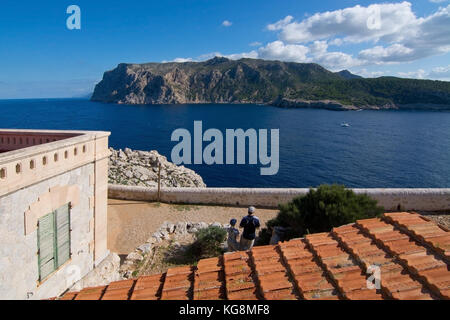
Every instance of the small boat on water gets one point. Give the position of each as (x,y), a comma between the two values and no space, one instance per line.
(345,124)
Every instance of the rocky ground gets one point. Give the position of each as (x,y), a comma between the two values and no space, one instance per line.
(131,223)
(140,168)
(167,247)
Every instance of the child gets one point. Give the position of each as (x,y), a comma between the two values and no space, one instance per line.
(233,245)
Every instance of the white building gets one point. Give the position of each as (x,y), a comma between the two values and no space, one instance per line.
(53,205)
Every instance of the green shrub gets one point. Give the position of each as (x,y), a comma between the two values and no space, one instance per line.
(208,242)
(322,209)
(263,237)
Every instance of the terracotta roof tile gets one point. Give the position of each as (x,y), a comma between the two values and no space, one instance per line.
(394,279)
(144,294)
(208,280)
(427,232)
(147,288)
(238,255)
(425,265)
(118,290)
(69,296)
(177,294)
(282,294)
(363,294)
(117,294)
(309,278)
(179,271)
(239,282)
(413,294)
(209,294)
(247,294)
(316,281)
(177,284)
(342,268)
(91,293)
(410,252)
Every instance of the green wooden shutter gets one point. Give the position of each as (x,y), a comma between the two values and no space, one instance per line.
(62,234)
(46,238)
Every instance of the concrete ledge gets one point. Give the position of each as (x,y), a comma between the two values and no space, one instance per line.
(390,199)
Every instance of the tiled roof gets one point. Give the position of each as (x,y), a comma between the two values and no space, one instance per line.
(411,252)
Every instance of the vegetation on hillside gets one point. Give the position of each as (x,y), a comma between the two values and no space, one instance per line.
(208,242)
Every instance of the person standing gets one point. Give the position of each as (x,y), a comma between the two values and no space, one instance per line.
(233,233)
(250,223)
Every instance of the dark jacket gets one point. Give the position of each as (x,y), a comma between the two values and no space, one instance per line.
(249,223)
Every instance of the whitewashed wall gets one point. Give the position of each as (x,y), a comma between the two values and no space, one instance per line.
(390,199)
(18,259)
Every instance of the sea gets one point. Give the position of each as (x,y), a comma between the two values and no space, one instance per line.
(366,149)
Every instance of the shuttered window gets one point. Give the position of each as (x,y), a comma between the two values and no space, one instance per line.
(46,238)
(53,241)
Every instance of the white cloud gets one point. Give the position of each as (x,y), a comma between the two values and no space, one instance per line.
(393,53)
(280,24)
(277,50)
(227,23)
(252,54)
(389,33)
(333,60)
(255,44)
(371,74)
(183,60)
(400,35)
(419,74)
(437,73)
(208,56)
(440,73)
(356,24)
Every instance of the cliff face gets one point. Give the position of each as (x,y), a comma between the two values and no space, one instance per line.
(218,80)
(221,80)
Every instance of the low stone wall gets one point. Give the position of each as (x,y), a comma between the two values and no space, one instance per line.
(390,199)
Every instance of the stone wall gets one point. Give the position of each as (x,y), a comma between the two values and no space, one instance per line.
(18,250)
(390,199)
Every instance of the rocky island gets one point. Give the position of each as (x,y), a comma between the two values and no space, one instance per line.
(140,168)
(283,84)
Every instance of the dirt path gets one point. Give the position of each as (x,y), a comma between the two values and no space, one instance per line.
(131,223)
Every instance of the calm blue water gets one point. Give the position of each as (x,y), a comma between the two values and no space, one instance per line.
(380,149)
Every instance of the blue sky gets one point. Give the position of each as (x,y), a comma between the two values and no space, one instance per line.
(41,57)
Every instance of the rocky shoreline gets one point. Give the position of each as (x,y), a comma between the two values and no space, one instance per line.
(140,168)
(337,106)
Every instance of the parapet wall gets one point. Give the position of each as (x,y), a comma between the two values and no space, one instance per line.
(390,199)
